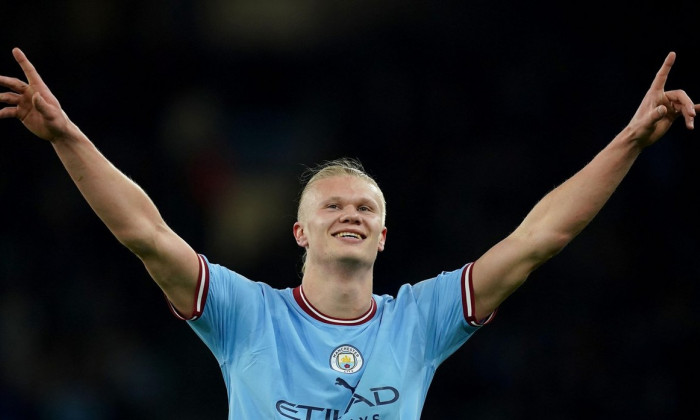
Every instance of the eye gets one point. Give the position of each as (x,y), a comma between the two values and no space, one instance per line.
(364,208)
(332,206)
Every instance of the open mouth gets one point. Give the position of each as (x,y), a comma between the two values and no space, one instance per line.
(349,235)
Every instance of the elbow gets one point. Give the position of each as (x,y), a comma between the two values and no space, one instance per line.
(544,246)
(141,242)
(137,246)
(552,244)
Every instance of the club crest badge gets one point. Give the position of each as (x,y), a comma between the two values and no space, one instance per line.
(346,359)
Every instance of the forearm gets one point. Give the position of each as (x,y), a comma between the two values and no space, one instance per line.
(563,213)
(122,205)
(568,209)
(556,219)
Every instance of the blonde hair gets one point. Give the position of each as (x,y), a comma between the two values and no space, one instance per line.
(331,168)
(337,167)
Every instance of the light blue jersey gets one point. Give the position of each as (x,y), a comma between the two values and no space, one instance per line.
(283,359)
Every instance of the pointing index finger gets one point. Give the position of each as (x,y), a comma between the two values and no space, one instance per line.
(662,75)
(27,67)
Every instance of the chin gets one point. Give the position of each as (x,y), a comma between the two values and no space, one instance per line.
(355,261)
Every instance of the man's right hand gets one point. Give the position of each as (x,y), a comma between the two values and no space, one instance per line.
(33,103)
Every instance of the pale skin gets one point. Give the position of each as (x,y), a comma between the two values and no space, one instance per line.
(341,224)
(342,228)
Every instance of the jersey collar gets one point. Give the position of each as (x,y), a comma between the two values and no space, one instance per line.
(304,303)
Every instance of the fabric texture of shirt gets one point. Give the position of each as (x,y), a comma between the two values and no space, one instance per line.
(283,359)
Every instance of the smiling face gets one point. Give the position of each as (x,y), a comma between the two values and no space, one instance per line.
(341,220)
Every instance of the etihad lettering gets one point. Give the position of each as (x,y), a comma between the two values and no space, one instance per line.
(294,411)
(380,396)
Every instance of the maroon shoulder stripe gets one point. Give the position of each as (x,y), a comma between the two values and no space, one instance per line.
(468,299)
(200,293)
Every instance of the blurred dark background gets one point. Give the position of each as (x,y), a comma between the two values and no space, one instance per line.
(465,112)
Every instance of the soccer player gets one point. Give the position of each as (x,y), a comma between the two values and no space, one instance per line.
(329,348)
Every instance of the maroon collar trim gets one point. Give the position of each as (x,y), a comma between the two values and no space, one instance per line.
(304,303)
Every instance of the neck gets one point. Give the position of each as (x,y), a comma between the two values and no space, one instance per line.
(340,292)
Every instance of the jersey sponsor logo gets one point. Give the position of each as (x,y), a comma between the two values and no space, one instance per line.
(377,396)
(346,359)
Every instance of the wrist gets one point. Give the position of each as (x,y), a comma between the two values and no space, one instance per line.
(68,133)
(631,139)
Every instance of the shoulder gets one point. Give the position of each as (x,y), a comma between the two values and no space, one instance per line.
(443,282)
(234,287)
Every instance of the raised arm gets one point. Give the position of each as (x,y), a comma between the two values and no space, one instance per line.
(121,204)
(566,211)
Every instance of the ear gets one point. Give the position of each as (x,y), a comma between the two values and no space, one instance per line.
(382,239)
(299,235)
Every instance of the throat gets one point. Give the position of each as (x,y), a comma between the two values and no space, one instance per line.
(338,297)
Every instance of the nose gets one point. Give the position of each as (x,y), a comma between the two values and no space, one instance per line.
(350,215)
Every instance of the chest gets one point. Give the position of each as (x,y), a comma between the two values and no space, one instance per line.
(327,371)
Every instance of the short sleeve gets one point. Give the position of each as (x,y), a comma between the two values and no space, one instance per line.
(446,306)
(230,313)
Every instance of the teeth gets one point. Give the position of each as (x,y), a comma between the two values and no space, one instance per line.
(348,235)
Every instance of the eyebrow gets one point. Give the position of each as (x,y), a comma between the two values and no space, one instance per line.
(372,201)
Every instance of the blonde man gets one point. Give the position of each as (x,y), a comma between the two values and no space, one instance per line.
(329,347)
